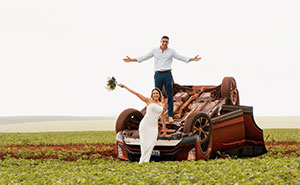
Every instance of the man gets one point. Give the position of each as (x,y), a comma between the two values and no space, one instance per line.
(163,58)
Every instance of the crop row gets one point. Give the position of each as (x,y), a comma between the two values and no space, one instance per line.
(108,137)
(285,170)
(57,138)
(281,135)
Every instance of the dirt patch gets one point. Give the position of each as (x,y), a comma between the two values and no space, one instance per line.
(284,147)
(283,143)
(105,151)
(65,147)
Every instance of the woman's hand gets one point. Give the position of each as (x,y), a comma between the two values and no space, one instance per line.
(122,86)
(165,135)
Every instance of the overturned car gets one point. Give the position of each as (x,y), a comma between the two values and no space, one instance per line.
(208,122)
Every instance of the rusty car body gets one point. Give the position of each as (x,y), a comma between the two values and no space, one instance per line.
(208,122)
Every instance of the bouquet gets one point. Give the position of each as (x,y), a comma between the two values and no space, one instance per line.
(111,83)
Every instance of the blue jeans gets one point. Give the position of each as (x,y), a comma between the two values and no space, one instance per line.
(166,79)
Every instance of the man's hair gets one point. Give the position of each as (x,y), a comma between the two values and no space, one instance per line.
(165,37)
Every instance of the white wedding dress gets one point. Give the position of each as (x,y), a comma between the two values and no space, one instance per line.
(148,131)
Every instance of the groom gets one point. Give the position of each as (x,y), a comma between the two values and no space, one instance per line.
(163,58)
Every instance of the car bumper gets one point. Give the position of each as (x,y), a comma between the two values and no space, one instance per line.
(164,150)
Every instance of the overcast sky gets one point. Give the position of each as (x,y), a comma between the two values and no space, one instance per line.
(55,55)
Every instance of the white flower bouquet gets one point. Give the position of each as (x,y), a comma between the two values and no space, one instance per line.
(111,83)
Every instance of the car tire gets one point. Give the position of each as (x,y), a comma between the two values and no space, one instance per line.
(129,119)
(205,149)
(200,124)
(229,91)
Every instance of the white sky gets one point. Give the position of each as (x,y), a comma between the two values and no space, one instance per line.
(55,55)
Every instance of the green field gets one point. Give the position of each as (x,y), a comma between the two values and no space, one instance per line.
(272,135)
(284,170)
(57,138)
(281,165)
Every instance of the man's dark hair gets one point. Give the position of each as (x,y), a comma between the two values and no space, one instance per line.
(165,37)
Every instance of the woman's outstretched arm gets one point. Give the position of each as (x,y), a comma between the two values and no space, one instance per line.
(143,98)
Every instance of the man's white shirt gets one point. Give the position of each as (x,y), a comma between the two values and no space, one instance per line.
(163,60)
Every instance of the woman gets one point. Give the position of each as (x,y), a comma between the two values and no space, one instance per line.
(148,129)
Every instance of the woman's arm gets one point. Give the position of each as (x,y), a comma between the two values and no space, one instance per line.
(163,119)
(143,98)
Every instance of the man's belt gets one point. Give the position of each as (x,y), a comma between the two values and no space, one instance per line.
(166,71)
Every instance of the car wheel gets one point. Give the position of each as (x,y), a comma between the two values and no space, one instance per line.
(200,124)
(229,91)
(129,119)
(205,148)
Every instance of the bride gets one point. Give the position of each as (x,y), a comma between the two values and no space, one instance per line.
(148,129)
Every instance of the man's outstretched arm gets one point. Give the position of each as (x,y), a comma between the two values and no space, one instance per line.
(185,59)
(128,59)
(139,59)
(196,58)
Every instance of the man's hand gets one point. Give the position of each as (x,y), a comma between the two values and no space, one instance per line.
(128,59)
(196,58)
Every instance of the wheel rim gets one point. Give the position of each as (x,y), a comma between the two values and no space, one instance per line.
(204,147)
(202,128)
(233,93)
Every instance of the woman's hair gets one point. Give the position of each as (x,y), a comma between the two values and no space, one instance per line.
(160,94)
